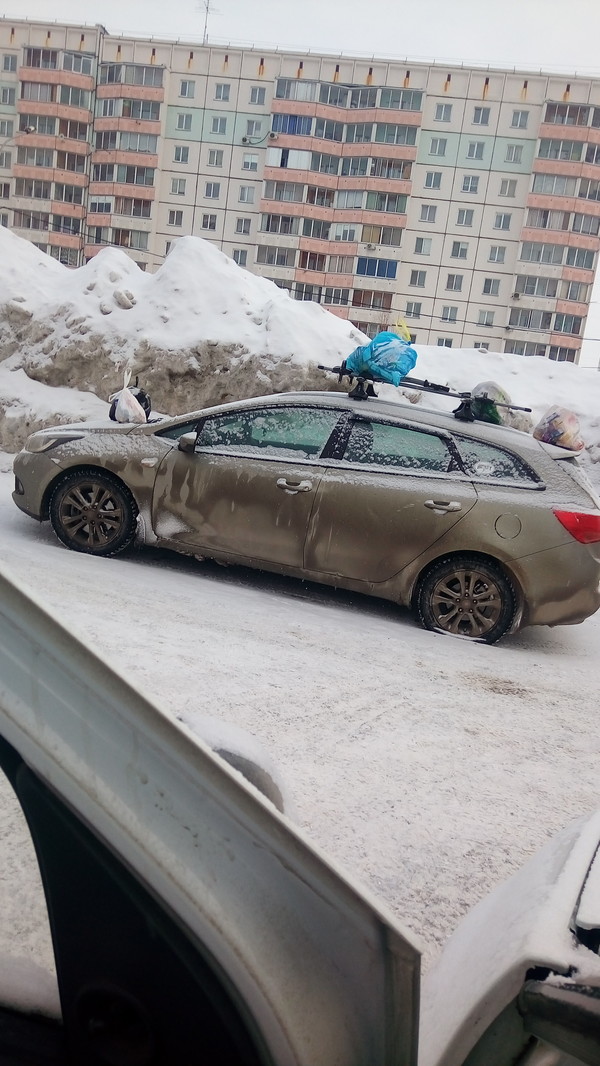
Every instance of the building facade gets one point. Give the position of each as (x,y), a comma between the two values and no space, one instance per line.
(465,200)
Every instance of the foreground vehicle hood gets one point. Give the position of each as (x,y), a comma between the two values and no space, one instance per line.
(540,926)
(241,905)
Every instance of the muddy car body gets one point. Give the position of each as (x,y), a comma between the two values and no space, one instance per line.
(480,528)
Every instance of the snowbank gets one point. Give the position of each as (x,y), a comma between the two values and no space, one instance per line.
(201,330)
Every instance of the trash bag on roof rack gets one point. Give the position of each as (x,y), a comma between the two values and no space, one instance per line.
(485,397)
(386,358)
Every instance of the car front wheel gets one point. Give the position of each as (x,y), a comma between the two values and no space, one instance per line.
(468,597)
(92,512)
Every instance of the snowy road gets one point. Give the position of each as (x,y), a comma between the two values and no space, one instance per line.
(428,766)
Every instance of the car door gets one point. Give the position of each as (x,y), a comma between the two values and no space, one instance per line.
(397,490)
(249,486)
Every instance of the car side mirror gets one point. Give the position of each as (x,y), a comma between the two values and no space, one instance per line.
(187,442)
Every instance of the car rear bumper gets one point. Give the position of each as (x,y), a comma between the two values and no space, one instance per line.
(561,586)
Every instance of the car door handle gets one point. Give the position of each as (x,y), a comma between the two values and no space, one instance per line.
(293,487)
(443,506)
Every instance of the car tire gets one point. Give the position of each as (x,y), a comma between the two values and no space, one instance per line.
(467,596)
(92,512)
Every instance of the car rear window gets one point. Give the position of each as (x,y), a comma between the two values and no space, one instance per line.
(385,445)
(487,462)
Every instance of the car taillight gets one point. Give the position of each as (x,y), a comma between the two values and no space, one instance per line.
(583,526)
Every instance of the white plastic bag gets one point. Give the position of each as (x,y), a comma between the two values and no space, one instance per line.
(560,426)
(128,409)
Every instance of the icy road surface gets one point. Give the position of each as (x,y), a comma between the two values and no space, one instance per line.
(428,766)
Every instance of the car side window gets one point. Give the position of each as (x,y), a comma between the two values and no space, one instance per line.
(385,445)
(487,462)
(175,432)
(285,432)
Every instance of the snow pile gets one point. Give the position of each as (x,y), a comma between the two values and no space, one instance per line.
(201,330)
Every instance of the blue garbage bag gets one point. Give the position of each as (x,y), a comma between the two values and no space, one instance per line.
(387,358)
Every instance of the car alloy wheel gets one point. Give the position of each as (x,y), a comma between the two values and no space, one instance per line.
(94,513)
(468,597)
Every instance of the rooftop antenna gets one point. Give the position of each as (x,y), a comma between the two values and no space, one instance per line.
(206,4)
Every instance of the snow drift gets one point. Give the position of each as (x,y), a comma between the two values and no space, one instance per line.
(202,330)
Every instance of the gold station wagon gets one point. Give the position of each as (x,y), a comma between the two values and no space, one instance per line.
(479,528)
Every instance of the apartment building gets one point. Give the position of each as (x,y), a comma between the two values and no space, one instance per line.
(465,200)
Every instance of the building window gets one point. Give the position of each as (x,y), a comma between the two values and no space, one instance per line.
(497,253)
(561,355)
(240,256)
(459,250)
(348,198)
(413,309)
(341,264)
(514,153)
(433,179)
(449,314)
(444,342)
(428,212)
(483,345)
(249,161)
(519,120)
(184,122)
(187,89)
(242,225)
(253,127)
(339,297)
(567,324)
(7,127)
(423,246)
(209,222)
(312,261)
(376,268)
(454,282)
(316,228)
(222,91)
(9,64)
(181,154)
(470,183)
(481,116)
(443,112)
(257,94)
(475,150)
(178,186)
(491,286)
(219,125)
(438,146)
(215,157)
(464,216)
(508,187)
(175,218)
(7,96)
(486,318)
(527,318)
(571,151)
(212,190)
(502,220)
(246,194)
(417,278)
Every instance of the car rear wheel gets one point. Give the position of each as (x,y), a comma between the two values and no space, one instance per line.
(468,597)
(94,513)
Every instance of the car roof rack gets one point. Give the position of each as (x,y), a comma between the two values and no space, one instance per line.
(362,388)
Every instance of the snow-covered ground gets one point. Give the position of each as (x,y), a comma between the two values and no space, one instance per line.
(429,766)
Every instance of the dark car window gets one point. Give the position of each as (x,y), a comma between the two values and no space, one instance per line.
(382,444)
(486,462)
(288,432)
(175,432)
